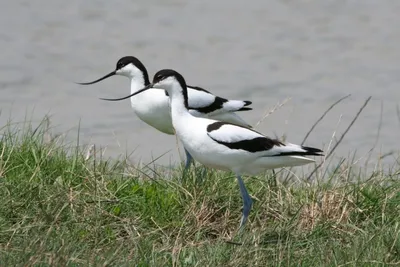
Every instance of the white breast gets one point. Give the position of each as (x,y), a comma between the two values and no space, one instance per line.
(192,132)
(152,107)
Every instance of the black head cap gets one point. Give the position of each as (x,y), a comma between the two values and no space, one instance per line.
(166,73)
(122,62)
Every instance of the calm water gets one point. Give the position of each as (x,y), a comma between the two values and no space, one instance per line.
(311,51)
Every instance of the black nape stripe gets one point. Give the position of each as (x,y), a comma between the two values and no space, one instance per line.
(165,73)
(122,62)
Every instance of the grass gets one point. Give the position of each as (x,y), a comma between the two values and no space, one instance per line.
(63,207)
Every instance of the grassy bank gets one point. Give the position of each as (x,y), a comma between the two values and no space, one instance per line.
(62,207)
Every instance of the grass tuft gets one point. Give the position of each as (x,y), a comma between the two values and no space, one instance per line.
(64,207)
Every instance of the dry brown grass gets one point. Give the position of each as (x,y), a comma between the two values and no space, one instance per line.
(333,207)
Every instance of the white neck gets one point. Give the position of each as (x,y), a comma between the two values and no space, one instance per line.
(178,109)
(137,83)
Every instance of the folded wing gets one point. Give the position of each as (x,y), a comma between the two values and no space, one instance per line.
(205,102)
(237,137)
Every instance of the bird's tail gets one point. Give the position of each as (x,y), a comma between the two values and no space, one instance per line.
(296,150)
(237,105)
(289,155)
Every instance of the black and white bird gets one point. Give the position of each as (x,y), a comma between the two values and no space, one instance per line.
(223,145)
(152,107)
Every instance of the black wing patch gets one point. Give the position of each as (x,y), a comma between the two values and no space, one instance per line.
(251,145)
(309,151)
(261,143)
(217,104)
(215,126)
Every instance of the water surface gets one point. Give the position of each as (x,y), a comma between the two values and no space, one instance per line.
(311,51)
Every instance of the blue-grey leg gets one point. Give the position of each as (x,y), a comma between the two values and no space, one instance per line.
(189,159)
(247,202)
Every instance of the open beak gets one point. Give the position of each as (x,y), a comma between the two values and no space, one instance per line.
(98,80)
(147,87)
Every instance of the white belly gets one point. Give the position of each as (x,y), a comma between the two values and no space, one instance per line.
(152,107)
(208,152)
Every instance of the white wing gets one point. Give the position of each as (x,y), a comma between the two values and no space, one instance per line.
(199,98)
(229,133)
(236,137)
(207,103)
